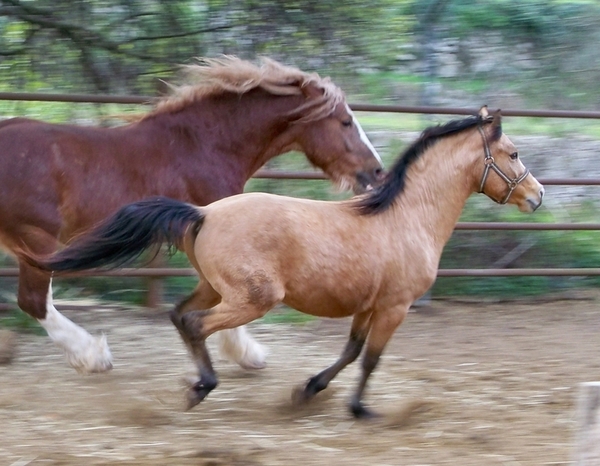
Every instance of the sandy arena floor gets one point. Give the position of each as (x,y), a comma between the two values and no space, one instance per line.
(462,383)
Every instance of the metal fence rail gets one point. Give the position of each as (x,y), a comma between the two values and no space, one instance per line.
(142,99)
(162,272)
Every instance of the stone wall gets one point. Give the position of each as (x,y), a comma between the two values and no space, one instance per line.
(482,54)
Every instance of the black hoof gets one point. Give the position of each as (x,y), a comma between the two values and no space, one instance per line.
(197,392)
(304,393)
(360,412)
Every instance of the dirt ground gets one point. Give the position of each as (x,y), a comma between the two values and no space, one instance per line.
(462,383)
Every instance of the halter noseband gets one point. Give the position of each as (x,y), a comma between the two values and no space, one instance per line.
(490,163)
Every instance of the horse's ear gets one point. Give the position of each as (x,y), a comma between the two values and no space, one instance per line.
(496,126)
(312,91)
(483,112)
(497,120)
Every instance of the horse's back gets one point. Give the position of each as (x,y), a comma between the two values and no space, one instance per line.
(28,198)
(13,121)
(38,161)
(277,225)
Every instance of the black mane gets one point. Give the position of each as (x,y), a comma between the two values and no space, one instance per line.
(382,197)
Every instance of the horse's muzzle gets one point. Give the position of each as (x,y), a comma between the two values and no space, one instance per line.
(367,181)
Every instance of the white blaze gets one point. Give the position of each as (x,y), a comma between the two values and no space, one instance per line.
(363,135)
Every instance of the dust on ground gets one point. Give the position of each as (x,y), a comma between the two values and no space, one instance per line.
(462,383)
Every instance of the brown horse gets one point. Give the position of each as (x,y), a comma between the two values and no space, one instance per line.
(198,145)
(369,257)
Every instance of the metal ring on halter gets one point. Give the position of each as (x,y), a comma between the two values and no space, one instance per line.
(489,162)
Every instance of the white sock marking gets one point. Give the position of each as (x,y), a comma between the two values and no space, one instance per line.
(238,345)
(83,352)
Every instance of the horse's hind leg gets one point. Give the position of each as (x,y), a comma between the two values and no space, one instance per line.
(383,326)
(358,335)
(190,329)
(196,321)
(83,352)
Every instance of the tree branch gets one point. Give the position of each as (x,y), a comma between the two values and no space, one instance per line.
(175,35)
(77,33)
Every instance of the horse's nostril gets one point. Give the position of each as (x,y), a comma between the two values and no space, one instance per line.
(379,173)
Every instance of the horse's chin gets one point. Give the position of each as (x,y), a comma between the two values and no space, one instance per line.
(529,205)
(360,189)
(343,184)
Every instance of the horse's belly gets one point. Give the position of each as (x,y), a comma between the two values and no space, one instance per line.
(323,306)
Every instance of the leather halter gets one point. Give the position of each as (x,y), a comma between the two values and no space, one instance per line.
(490,163)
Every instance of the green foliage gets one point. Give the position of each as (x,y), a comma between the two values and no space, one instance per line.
(554,249)
(286,315)
(19,321)
(542,21)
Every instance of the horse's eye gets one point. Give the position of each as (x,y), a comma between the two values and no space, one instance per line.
(347,122)
(514,155)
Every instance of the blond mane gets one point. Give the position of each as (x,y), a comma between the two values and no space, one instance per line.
(213,76)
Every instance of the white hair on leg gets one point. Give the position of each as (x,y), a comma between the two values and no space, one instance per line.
(84,353)
(237,345)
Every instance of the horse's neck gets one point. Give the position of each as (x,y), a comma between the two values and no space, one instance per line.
(437,188)
(253,126)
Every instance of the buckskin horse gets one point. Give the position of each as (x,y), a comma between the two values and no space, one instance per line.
(369,257)
(197,145)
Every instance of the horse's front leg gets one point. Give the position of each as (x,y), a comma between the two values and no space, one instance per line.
(358,335)
(383,326)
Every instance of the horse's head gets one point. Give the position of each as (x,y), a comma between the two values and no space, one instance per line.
(336,143)
(504,178)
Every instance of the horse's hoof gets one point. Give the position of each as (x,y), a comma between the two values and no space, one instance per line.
(92,358)
(253,365)
(192,399)
(196,393)
(360,412)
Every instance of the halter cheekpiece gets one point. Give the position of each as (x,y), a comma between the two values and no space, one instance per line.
(490,163)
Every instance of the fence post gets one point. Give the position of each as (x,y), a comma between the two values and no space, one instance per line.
(587,447)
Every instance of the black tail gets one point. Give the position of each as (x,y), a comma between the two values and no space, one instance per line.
(123,237)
